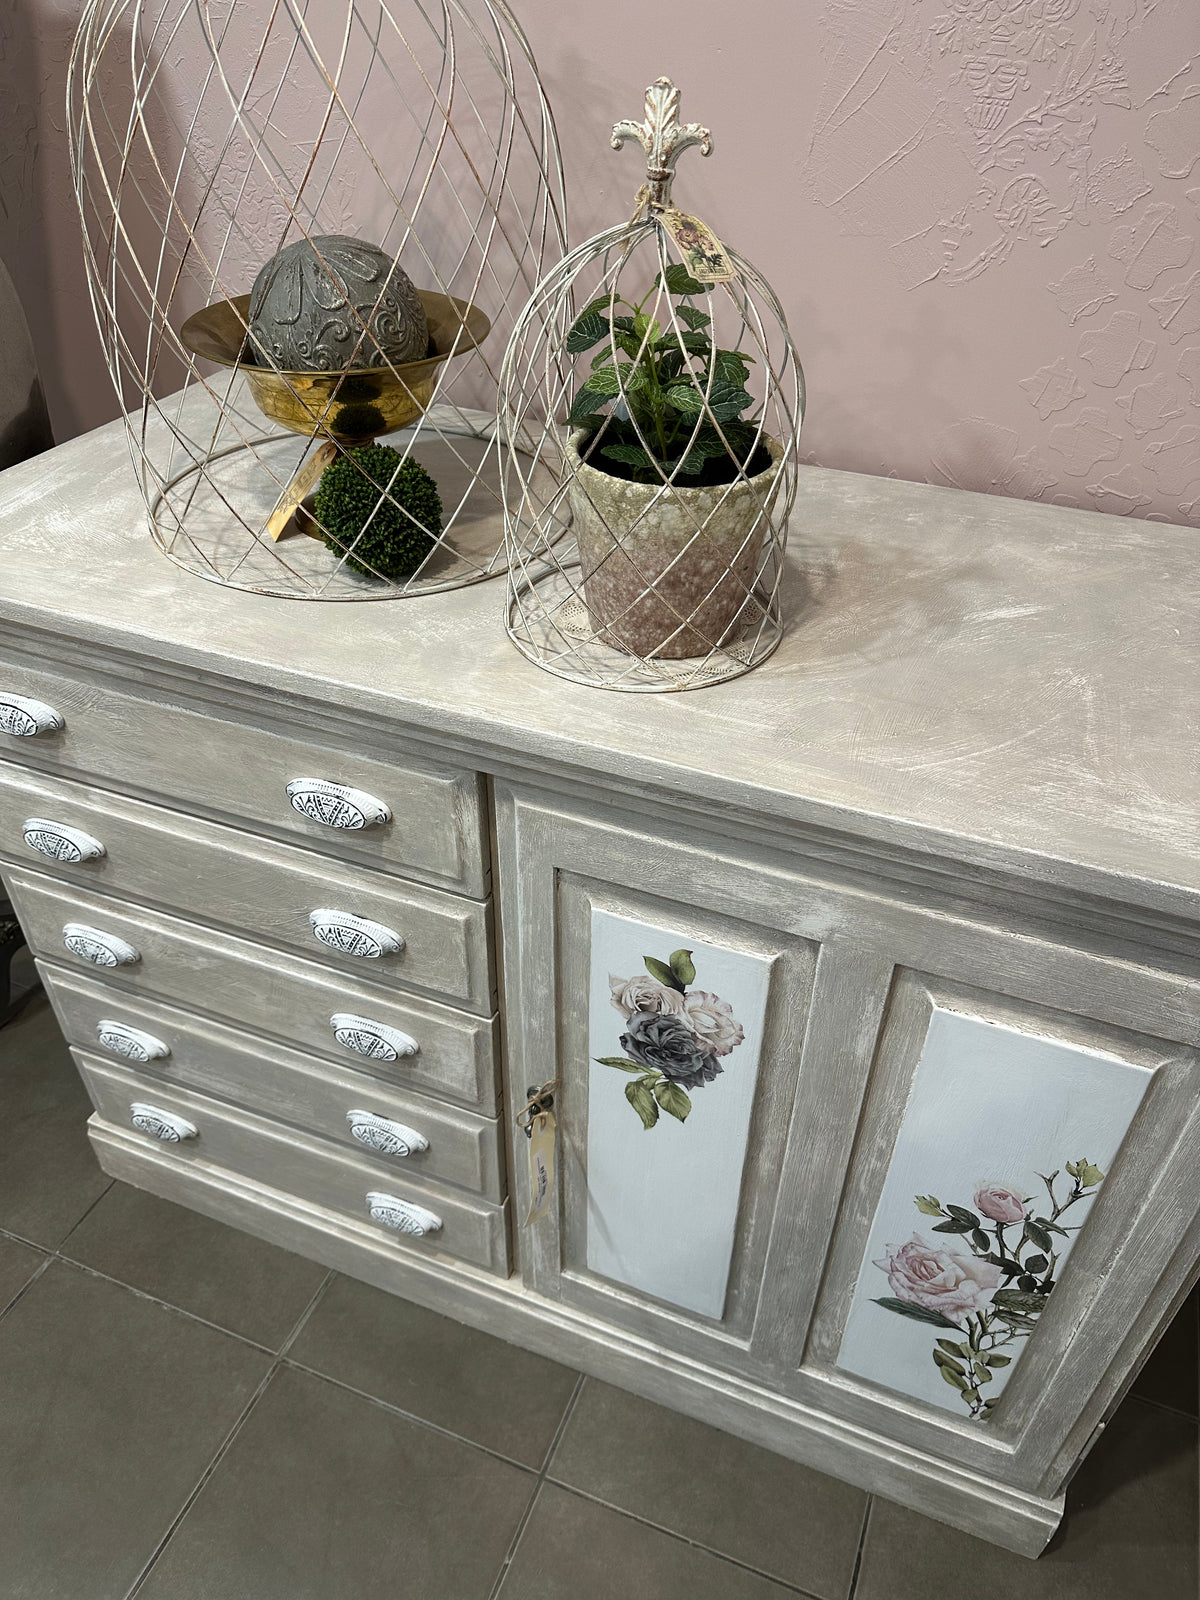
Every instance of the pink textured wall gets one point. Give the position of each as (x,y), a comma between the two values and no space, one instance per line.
(983,217)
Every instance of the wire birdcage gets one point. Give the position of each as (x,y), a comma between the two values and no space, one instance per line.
(651,438)
(208,135)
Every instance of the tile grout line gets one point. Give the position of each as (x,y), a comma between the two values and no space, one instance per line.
(228,1441)
(527,1515)
(79,1221)
(862,1545)
(28,1284)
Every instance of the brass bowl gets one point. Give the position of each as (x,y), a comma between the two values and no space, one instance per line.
(351,406)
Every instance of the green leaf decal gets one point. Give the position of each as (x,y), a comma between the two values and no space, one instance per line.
(943,1360)
(953,1226)
(904,1308)
(622,1063)
(588,330)
(682,966)
(674,1100)
(964,1215)
(661,971)
(642,1100)
(955,1378)
(928,1205)
(1090,1176)
(996,1360)
(1018,1300)
(1037,1235)
(949,1346)
(980,1240)
(1036,1264)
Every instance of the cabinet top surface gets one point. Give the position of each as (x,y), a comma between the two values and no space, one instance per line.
(1010,684)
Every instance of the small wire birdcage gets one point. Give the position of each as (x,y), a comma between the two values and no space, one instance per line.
(209,135)
(651,438)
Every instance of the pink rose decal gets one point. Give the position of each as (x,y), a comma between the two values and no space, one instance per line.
(1000,1203)
(936,1280)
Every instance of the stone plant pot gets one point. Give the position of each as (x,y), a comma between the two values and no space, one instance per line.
(624,548)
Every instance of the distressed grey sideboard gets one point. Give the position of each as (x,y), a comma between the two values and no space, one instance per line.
(871,981)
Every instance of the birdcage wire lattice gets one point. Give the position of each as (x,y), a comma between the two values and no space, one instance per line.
(206,135)
(669,590)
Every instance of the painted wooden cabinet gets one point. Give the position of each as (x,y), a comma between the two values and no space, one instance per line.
(867,987)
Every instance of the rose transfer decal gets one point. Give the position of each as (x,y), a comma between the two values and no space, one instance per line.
(993,1292)
(674,1036)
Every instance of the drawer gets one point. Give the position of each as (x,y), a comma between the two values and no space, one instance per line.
(317,1097)
(193,1128)
(232,770)
(264,990)
(245,883)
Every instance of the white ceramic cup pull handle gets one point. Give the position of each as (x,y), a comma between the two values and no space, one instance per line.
(336,804)
(25,718)
(131,1043)
(369,1038)
(402,1216)
(164,1125)
(60,842)
(380,1133)
(354,936)
(100,948)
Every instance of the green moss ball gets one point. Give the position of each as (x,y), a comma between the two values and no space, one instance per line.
(404,528)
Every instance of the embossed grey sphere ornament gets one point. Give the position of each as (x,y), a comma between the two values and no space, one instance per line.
(333,303)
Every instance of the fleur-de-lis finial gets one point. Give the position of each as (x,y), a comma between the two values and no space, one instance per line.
(663,137)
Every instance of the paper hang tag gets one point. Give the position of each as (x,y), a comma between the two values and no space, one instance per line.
(541,1166)
(292,496)
(703,254)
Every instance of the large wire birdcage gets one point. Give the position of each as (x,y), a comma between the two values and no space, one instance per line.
(207,137)
(651,438)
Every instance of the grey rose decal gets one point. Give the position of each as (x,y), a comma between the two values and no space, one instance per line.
(673,1037)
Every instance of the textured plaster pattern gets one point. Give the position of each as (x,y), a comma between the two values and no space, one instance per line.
(982,216)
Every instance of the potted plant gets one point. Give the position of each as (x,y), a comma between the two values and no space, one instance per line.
(671,486)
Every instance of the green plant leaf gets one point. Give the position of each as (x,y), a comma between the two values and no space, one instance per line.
(587,330)
(675,1101)
(1010,1269)
(683,967)
(1018,1300)
(928,1205)
(722,400)
(680,280)
(1036,1264)
(904,1308)
(1037,1235)
(646,330)
(733,366)
(953,1226)
(604,381)
(622,1063)
(980,1240)
(943,1360)
(642,1100)
(584,405)
(994,1359)
(982,1375)
(958,1380)
(661,971)
(953,1349)
(693,316)
(1089,1175)
(1050,1227)
(964,1215)
(632,455)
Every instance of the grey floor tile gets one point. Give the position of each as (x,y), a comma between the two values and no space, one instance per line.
(734,1497)
(324,1495)
(573,1549)
(18,1263)
(215,1272)
(112,1408)
(1130,1532)
(1172,1374)
(461,1379)
(48,1174)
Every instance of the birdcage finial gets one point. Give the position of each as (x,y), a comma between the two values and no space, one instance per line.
(663,137)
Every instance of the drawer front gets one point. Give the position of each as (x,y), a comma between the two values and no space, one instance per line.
(437,826)
(193,1128)
(440,942)
(267,991)
(352,1109)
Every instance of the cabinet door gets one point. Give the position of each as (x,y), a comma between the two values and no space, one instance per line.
(1020,1207)
(654,983)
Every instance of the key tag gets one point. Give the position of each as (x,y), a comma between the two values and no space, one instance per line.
(539,1125)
